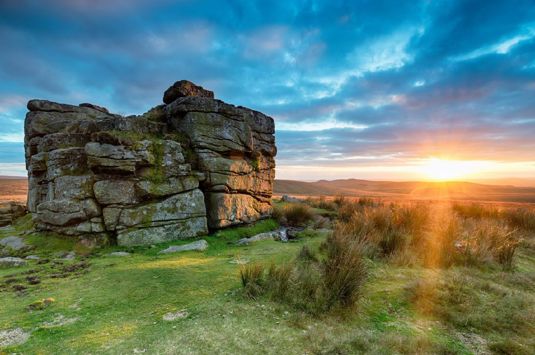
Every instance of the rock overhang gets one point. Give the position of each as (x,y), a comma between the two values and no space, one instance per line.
(181,168)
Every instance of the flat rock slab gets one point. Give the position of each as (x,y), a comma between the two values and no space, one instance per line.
(119,253)
(32,257)
(171,316)
(10,261)
(10,337)
(199,245)
(277,235)
(14,243)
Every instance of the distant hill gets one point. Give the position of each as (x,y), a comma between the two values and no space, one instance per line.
(458,190)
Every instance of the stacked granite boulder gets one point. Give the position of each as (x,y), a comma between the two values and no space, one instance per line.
(10,211)
(191,164)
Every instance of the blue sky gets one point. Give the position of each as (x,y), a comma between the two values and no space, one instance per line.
(365,89)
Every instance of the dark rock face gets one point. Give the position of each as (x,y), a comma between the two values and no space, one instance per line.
(184,88)
(168,174)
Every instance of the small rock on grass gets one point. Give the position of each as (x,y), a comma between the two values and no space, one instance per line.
(41,304)
(10,337)
(32,257)
(199,245)
(10,261)
(277,235)
(69,256)
(59,320)
(14,243)
(239,261)
(119,253)
(171,316)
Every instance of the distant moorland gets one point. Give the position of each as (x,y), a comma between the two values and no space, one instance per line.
(407,189)
(14,188)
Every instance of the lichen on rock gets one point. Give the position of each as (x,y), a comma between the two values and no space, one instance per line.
(191,164)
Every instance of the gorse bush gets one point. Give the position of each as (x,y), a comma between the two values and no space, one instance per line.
(313,283)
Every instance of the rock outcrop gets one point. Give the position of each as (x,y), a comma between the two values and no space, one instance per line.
(181,168)
(10,211)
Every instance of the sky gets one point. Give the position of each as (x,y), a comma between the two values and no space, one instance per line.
(358,89)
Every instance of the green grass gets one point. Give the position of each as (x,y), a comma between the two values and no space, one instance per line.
(119,304)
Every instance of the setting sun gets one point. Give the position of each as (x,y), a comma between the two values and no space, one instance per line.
(445,170)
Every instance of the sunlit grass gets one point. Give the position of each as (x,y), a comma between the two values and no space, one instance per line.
(407,305)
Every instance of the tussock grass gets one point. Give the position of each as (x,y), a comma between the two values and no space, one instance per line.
(293,214)
(409,235)
(312,282)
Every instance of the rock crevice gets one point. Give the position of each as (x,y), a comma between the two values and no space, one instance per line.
(181,168)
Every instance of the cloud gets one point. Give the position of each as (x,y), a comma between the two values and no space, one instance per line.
(356,83)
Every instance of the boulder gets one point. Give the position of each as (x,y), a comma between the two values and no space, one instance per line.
(122,192)
(66,212)
(13,243)
(11,261)
(262,236)
(184,88)
(119,253)
(229,209)
(199,245)
(187,228)
(170,186)
(10,211)
(168,174)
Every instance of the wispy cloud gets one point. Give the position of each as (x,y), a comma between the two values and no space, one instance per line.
(361,86)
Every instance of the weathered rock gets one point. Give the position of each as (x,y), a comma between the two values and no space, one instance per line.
(178,207)
(73,187)
(10,261)
(199,245)
(10,211)
(95,107)
(109,192)
(170,186)
(187,228)
(228,209)
(167,174)
(287,198)
(11,337)
(185,88)
(33,257)
(65,212)
(13,243)
(262,236)
(172,316)
(119,253)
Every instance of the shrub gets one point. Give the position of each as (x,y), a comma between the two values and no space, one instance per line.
(475,210)
(487,240)
(414,221)
(368,202)
(345,270)
(346,211)
(520,218)
(252,279)
(311,283)
(278,277)
(293,214)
